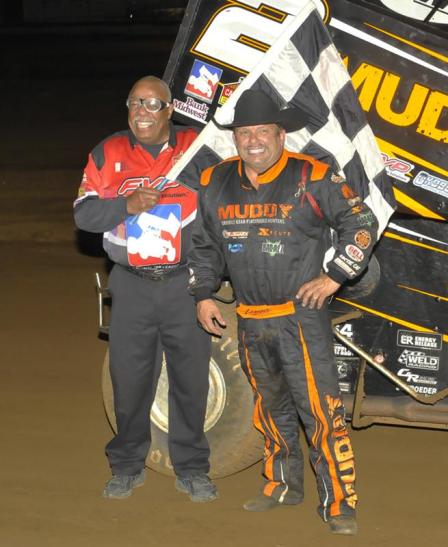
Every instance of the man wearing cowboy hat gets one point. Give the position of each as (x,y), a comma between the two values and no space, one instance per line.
(265,216)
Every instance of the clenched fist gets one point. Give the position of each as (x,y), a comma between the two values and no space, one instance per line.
(141,200)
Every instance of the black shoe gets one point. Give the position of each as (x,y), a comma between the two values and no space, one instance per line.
(198,487)
(343,525)
(265,503)
(121,486)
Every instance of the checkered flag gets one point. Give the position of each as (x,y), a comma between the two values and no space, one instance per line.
(303,68)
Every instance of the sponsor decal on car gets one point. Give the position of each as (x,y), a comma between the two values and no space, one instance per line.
(414,378)
(192,109)
(397,168)
(345,387)
(418,359)
(431,183)
(227,90)
(342,369)
(341,350)
(425,340)
(425,390)
(203,81)
(238,36)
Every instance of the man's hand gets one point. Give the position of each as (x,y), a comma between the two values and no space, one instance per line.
(141,200)
(210,317)
(314,293)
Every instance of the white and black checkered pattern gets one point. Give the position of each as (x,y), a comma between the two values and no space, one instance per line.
(304,68)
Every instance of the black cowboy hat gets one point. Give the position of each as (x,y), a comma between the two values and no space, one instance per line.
(256,108)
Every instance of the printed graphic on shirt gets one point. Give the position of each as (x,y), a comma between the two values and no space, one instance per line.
(203,81)
(271,232)
(253,213)
(131,184)
(155,237)
(273,248)
(235,247)
(238,234)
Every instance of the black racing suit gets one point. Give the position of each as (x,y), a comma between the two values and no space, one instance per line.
(272,240)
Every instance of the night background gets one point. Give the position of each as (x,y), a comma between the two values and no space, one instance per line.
(70,64)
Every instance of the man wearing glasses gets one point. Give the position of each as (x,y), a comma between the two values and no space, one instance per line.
(147,224)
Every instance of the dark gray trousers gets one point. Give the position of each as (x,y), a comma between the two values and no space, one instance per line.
(144,313)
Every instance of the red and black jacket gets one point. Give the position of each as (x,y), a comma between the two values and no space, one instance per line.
(116,167)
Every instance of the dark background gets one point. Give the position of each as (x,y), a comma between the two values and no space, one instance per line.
(54,78)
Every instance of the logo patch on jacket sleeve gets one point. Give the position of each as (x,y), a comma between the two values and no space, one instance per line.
(363,239)
(354,253)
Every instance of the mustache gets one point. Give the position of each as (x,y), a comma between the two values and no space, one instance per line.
(143,119)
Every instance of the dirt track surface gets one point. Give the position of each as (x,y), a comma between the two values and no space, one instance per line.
(53,424)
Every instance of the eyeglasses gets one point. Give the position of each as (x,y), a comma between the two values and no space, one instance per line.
(150,105)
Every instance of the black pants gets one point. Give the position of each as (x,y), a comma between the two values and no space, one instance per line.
(145,312)
(289,363)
